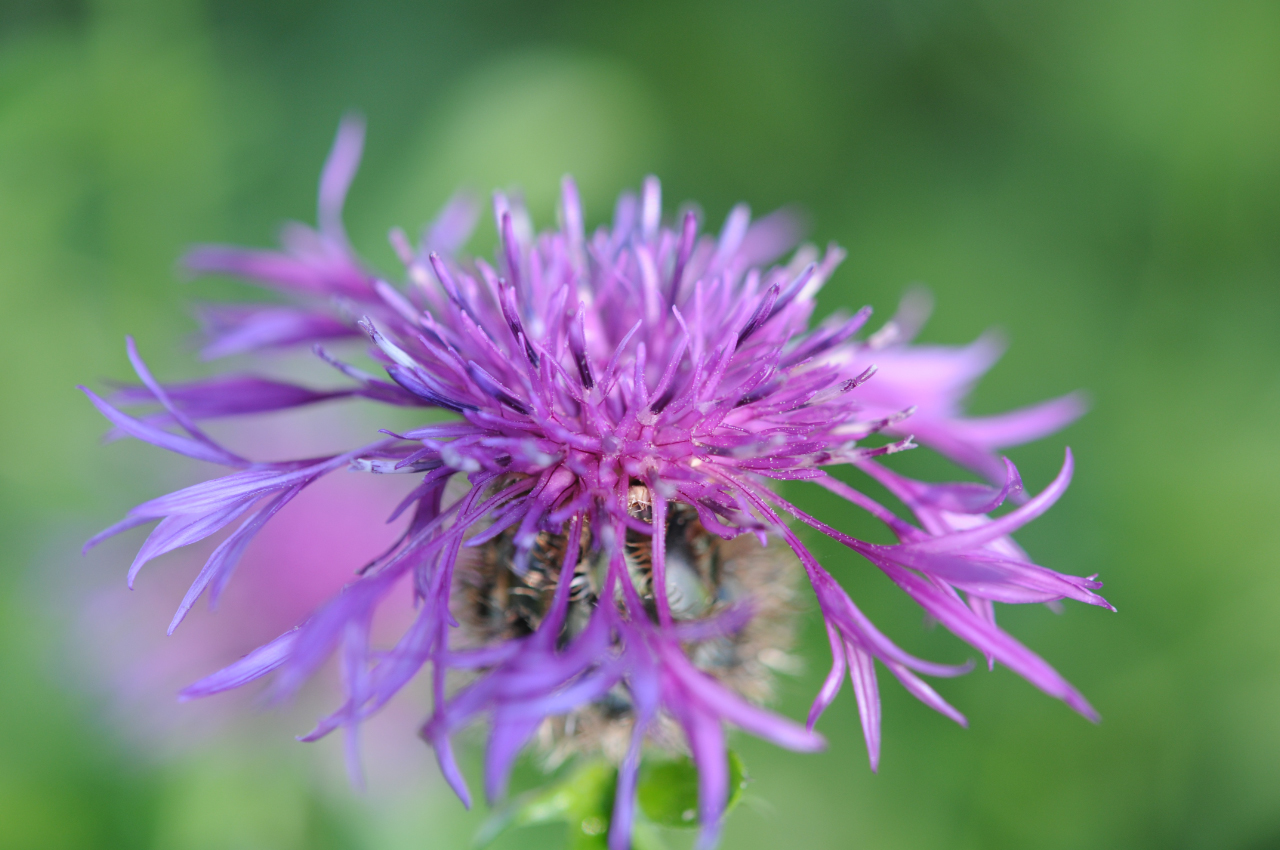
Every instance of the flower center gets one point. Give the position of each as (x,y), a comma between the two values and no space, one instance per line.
(704,576)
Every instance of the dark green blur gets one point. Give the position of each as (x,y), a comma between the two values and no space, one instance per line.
(1100,180)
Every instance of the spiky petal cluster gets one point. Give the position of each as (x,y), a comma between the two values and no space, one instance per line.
(578,366)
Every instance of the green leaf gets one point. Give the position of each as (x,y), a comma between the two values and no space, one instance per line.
(668,790)
(583,800)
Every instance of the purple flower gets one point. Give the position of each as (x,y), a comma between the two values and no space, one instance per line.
(585,538)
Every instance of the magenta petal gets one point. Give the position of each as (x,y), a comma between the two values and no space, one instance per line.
(953,614)
(737,711)
(835,678)
(1024,425)
(927,695)
(862,670)
(267,266)
(1006,524)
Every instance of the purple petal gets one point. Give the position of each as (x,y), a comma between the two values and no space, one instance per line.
(731,235)
(645,687)
(706,742)
(352,607)
(217,493)
(283,270)
(511,731)
(256,664)
(161,396)
(240,329)
(230,395)
(772,236)
(650,208)
(150,434)
(449,767)
(180,530)
(862,670)
(339,171)
(218,568)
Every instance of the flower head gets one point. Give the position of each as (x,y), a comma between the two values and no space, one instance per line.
(595,528)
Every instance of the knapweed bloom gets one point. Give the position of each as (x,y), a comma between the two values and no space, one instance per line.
(597,547)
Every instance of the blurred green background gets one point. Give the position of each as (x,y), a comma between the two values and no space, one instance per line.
(1099,179)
